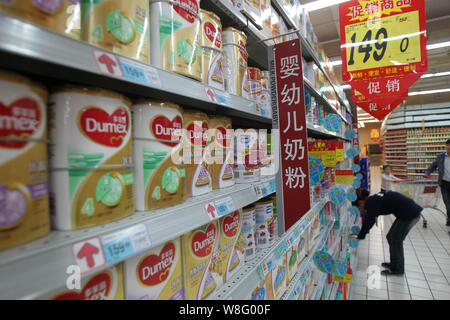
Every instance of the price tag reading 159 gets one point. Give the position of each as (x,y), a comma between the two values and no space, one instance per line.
(393,40)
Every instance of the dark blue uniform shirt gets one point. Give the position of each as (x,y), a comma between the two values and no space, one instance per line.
(385,203)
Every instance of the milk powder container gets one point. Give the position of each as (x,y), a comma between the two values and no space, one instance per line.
(249,232)
(276,279)
(156,274)
(103,285)
(176,36)
(221,136)
(266,102)
(196,153)
(263,215)
(231,244)
(266,17)
(259,293)
(160,177)
(246,164)
(119,26)
(212,55)
(61,16)
(201,260)
(254,87)
(90,157)
(24,205)
(251,9)
(235,62)
(292,260)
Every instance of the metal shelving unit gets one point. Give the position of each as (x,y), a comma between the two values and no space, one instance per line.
(163,225)
(240,286)
(54,58)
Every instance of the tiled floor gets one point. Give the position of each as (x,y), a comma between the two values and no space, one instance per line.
(427,260)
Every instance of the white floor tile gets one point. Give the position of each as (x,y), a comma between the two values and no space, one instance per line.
(377,293)
(420,292)
(413,297)
(359,290)
(439,286)
(418,283)
(397,280)
(399,296)
(359,297)
(376,298)
(435,278)
(440,295)
(396,287)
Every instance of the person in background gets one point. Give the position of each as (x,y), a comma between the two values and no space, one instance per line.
(387,178)
(442,163)
(407,214)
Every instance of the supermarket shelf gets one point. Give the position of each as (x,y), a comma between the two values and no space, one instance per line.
(428,136)
(417,168)
(394,137)
(322,99)
(421,174)
(419,146)
(399,170)
(320,132)
(426,141)
(307,261)
(399,165)
(31,49)
(27,281)
(394,149)
(426,157)
(242,283)
(426,151)
(426,163)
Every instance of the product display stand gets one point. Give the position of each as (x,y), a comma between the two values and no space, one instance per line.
(39,267)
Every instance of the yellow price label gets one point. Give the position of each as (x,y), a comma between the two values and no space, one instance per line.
(340,156)
(329,158)
(347,278)
(393,40)
(344,179)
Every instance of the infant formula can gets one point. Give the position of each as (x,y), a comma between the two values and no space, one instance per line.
(212,72)
(156,274)
(196,153)
(159,181)
(62,16)
(235,62)
(246,164)
(119,26)
(254,87)
(264,217)
(221,136)
(24,205)
(201,261)
(266,102)
(90,157)
(249,232)
(175,35)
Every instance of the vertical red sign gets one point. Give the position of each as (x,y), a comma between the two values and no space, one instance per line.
(293,135)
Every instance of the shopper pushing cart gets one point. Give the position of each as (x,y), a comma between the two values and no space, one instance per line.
(407,213)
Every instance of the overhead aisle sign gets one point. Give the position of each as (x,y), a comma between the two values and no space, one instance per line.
(383,49)
(289,117)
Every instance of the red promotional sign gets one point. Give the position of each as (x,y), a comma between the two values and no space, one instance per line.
(383,47)
(293,135)
(379,107)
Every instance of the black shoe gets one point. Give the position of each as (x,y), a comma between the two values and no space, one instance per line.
(389,272)
(448,223)
(386,265)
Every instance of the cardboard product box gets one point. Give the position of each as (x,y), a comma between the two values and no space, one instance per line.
(156,274)
(292,260)
(103,285)
(201,261)
(276,279)
(231,244)
(276,25)
(266,17)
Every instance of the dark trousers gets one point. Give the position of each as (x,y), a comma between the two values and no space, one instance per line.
(445,189)
(395,238)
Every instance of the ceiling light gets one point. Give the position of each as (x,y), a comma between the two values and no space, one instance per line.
(428,92)
(438,45)
(439,74)
(335,63)
(320,4)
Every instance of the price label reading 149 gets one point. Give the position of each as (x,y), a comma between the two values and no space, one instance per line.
(393,40)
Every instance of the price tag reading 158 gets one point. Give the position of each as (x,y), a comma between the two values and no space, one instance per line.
(390,40)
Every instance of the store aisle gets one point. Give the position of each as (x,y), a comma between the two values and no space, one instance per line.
(427,257)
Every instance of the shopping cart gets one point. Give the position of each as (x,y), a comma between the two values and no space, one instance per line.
(424,192)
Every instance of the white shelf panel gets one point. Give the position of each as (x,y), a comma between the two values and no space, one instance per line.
(31,49)
(240,286)
(27,279)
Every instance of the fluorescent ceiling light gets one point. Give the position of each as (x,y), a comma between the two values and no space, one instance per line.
(320,4)
(428,92)
(346,86)
(439,74)
(438,45)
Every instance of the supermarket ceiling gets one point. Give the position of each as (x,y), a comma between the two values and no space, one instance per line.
(326,26)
